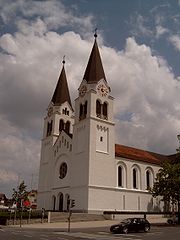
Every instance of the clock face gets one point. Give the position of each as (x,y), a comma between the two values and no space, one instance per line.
(50,111)
(82,90)
(103,90)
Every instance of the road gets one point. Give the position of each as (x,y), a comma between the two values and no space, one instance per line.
(156,233)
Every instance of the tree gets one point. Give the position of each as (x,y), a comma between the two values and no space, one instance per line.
(167,183)
(20,194)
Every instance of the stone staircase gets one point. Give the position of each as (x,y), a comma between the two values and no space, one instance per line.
(75,217)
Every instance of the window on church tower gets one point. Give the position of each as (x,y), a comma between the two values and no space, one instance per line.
(61,125)
(47,134)
(85,109)
(98,109)
(105,110)
(67,127)
(49,128)
(81,112)
(65,111)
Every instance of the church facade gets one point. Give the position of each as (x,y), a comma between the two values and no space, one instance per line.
(79,157)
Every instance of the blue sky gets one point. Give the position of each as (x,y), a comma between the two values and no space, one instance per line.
(139,42)
(120,19)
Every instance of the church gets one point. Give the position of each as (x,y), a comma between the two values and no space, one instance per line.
(79,157)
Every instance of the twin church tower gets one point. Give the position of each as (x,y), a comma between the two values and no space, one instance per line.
(78,149)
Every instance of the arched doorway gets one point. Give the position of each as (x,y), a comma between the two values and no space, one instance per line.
(67,202)
(61,202)
(54,202)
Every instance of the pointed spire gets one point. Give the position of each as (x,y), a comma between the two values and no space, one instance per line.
(94,70)
(61,93)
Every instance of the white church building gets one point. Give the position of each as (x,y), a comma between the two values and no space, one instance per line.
(79,157)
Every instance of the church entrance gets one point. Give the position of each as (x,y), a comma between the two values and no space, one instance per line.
(67,199)
(54,203)
(61,202)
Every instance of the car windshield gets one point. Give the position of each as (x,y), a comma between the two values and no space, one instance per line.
(128,220)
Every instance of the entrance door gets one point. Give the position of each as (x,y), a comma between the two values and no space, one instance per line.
(54,203)
(61,202)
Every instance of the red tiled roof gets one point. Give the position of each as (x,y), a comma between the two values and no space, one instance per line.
(139,154)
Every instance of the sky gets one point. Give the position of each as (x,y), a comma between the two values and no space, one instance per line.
(139,42)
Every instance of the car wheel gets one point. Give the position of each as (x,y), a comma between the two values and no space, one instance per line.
(146,228)
(170,221)
(125,230)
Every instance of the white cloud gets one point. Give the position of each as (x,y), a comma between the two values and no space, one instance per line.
(52,12)
(7,176)
(160,31)
(139,26)
(146,92)
(175,40)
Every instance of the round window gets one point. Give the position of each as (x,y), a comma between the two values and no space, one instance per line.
(63,170)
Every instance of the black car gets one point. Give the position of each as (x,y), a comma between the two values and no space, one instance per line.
(131,225)
(173,220)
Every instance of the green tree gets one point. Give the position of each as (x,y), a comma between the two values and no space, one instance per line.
(167,183)
(20,194)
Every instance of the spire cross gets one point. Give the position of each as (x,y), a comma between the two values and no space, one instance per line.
(95,32)
(63,61)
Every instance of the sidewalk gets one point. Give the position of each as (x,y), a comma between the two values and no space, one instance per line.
(74,225)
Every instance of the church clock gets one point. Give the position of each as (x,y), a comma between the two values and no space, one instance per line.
(82,90)
(103,90)
(50,111)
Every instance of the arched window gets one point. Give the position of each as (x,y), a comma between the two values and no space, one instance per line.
(61,125)
(67,127)
(134,178)
(47,134)
(120,180)
(85,109)
(98,108)
(105,110)
(147,179)
(49,128)
(81,112)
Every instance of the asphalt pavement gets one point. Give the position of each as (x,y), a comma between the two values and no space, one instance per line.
(84,224)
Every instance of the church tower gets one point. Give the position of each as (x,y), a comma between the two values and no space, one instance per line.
(93,137)
(59,119)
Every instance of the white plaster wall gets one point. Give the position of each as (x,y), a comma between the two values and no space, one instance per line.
(80,195)
(102,167)
(121,200)
(44,200)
